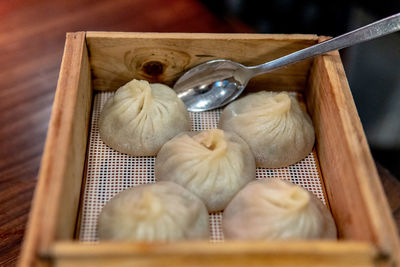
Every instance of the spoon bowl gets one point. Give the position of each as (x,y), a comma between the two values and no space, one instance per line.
(212,84)
(218,82)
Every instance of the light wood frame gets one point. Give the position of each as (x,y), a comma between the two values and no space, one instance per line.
(104,61)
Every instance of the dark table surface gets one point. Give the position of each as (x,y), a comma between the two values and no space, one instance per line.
(32,35)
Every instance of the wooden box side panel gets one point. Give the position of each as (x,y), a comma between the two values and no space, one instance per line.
(56,201)
(352,184)
(240,253)
(117,58)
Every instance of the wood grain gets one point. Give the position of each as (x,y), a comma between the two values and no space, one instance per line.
(32,37)
(202,253)
(57,194)
(356,196)
(117,58)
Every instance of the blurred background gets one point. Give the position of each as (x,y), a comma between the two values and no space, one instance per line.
(32,35)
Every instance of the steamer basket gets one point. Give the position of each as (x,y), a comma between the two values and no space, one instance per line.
(79,173)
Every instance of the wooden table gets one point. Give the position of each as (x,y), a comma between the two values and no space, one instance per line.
(32,35)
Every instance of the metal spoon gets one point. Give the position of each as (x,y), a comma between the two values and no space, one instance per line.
(216,83)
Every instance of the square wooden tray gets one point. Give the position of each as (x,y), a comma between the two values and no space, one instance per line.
(106,60)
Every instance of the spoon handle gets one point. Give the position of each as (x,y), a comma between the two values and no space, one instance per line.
(368,32)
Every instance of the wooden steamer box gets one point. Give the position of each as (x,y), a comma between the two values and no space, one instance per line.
(99,61)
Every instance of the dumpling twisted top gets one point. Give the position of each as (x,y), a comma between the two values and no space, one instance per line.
(275,209)
(141,117)
(274,125)
(163,211)
(212,164)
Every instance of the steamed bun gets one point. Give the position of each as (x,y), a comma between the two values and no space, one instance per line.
(212,164)
(141,117)
(274,209)
(277,130)
(154,212)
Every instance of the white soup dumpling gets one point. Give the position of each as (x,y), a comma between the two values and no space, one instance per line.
(213,164)
(274,125)
(140,117)
(274,209)
(163,211)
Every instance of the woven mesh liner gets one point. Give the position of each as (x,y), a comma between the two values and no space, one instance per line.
(109,172)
